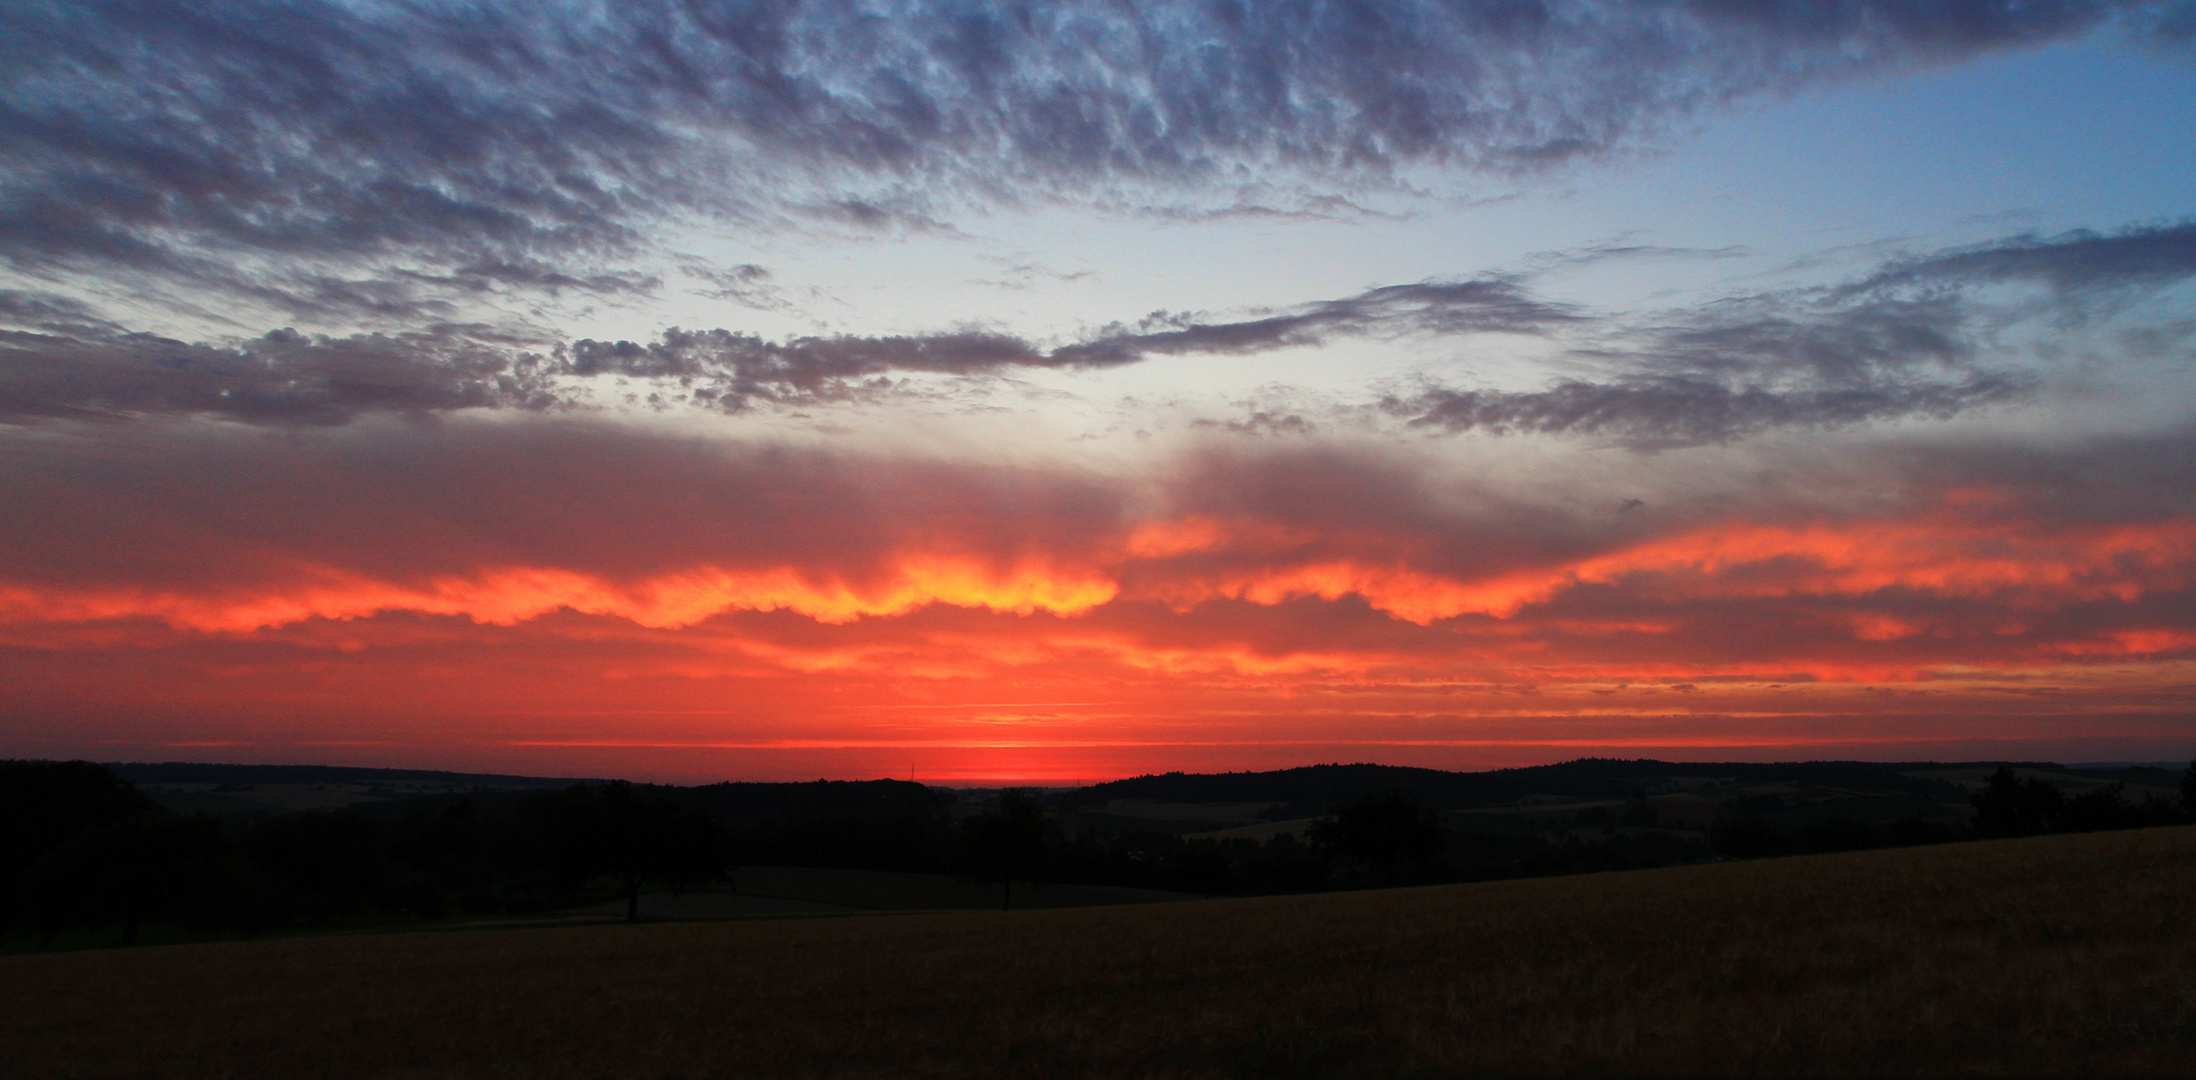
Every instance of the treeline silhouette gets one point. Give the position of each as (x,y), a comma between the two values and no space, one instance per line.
(2008,806)
(1311,789)
(83,850)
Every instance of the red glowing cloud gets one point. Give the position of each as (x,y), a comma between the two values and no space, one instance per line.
(765,599)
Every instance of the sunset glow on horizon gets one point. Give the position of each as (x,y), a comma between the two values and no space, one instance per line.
(1099,391)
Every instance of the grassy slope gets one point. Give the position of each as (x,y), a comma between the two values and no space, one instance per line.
(2055,955)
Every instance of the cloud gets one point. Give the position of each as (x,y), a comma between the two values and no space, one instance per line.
(1663,411)
(1260,423)
(485,579)
(181,140)
(1025,275)
(50,312)
(1321,208)
(1619,250)
(79,367)
(1917,338)
(486,274)
(382,517)
(1920,337)
(2074,262)
(745,284)
(734,370)
(282,377)
(1903,342)
(1277,556)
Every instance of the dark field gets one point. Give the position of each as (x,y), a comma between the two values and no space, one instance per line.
(2062,954)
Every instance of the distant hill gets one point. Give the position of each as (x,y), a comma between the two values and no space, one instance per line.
(1312,786)
(1299,792)
(224,789)
(191,772)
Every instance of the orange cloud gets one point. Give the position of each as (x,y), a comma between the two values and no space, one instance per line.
(505,596)
(1941,555)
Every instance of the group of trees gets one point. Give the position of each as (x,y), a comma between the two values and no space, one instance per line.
(80,849)
(1379,840)
(2009,805)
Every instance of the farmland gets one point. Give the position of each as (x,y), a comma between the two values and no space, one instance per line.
(2057,954)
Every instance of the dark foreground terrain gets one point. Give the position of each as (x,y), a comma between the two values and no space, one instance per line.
(2051,955)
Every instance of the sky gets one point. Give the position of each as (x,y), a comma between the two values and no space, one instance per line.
(1051,392)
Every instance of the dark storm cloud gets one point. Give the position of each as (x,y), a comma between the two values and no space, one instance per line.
(170,137)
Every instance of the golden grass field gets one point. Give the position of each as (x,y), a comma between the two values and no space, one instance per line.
(2058,955)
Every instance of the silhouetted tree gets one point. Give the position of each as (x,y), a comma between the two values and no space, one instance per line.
(1742,834)
(331,865)
(43,805)
(633,838)
(2094,811)
(1836,834)
(1198,867)
(1007,842)
(1387,831)
(154,866)
(2188,789)
(2010,806)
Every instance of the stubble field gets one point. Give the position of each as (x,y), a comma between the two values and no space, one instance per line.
(2057,955)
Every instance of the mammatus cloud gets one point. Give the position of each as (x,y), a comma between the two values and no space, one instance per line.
(322,156)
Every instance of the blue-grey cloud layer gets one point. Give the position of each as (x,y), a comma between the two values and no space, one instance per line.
(1907,339)
(370,157)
